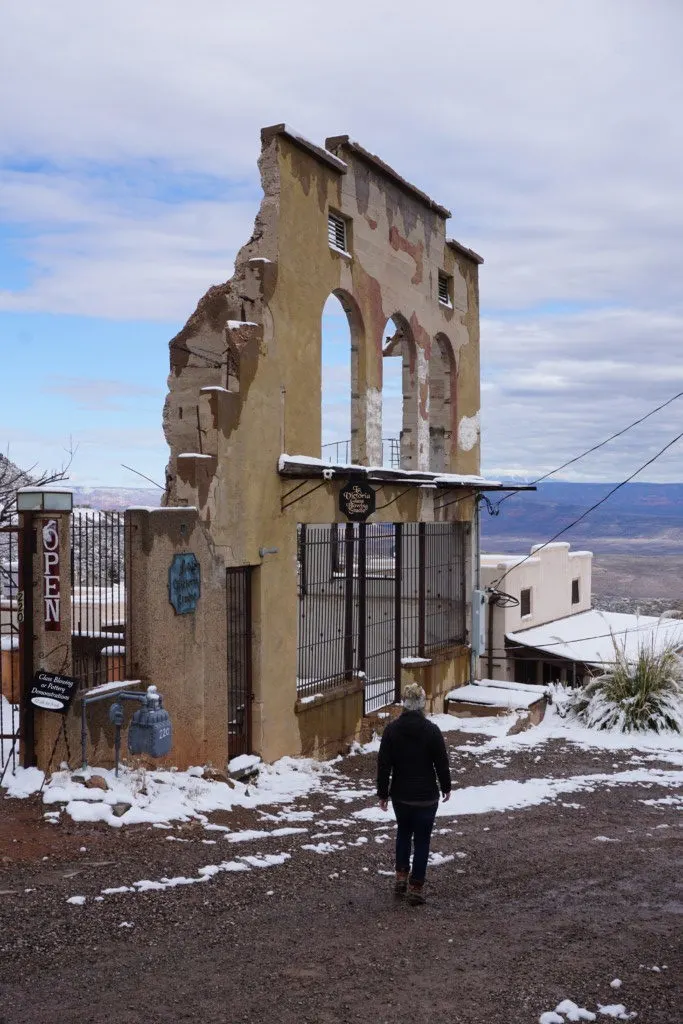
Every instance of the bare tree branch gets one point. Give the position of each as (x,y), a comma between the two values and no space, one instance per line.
(12,477)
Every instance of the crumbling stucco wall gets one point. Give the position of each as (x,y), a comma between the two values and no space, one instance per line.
(245,378)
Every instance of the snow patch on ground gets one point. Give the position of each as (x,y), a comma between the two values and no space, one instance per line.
(158,797)
(509,794)
(665,746)
(568,1010)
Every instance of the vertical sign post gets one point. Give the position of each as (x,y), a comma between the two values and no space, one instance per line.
(51,579)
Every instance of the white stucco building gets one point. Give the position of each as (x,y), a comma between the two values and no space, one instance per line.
(549,584)
(540,624)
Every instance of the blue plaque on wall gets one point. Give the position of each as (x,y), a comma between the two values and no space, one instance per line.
(184,583)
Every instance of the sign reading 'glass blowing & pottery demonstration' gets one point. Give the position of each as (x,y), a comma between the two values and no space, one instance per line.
(357,501)
(52,692)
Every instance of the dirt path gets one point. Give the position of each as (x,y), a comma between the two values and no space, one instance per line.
(533,908)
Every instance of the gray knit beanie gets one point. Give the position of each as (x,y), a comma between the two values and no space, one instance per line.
(414,697)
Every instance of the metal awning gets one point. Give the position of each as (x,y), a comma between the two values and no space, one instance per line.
(304,467)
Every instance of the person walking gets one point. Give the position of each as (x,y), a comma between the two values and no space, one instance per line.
(412,766)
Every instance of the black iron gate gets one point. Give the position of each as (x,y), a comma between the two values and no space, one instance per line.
(372,595)
(12,612)
(239,667)
(98,578)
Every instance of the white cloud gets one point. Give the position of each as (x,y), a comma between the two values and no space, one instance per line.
(114,256)
(96,394)
(552,130)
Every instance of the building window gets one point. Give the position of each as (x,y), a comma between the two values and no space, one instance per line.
(337,232)
(525,602)
(445,290)
(576,593)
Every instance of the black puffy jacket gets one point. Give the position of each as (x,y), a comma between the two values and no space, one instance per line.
(413,754)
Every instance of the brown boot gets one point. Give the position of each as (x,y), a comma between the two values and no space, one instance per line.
(415,893)
(401,883)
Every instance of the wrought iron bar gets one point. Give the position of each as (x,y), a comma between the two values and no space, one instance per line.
(398,608)
(348,600)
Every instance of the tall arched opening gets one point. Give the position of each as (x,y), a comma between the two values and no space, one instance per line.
(442,408)
(341,332)
(399,395)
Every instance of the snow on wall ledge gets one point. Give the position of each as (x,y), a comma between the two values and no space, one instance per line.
(468,432)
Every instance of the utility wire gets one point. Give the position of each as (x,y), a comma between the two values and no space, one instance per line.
(597,504)
(595,447)
(144,477)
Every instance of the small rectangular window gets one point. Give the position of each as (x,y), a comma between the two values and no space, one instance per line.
(336,232)
(525,602)
(576,593)
(444,289)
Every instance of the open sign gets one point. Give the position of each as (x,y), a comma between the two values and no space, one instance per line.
(51,580)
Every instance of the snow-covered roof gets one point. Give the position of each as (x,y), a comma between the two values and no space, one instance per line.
(588,636)
(494,695)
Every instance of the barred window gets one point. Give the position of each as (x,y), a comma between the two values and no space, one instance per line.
(445,289)
(336,232)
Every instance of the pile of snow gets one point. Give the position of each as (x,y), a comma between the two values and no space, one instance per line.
(489,693)
(157,797)
(570,1011)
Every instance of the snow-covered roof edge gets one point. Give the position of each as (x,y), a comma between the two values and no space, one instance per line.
(311,147)
(310,466)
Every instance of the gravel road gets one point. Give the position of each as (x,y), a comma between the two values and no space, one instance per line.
(537,905)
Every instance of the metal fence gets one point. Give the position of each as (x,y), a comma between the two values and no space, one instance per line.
(239,669)
(339,452)
(373,594)
(11,613)
(98,578)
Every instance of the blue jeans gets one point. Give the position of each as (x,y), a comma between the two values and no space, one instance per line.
(415,825)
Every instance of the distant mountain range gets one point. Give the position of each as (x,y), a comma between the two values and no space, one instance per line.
(116,499)
(640,518)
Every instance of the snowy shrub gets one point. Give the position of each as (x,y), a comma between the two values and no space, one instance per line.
(635,695)
(560,696)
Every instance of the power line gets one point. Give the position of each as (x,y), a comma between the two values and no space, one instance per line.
(138,473)
(591,509)
(595,447)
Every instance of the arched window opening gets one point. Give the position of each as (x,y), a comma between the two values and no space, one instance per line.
(399,400)
(336,377)
(442,382)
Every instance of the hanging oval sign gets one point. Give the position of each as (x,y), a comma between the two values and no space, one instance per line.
(357,501)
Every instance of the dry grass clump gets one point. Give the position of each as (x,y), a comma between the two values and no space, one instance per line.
(644,694)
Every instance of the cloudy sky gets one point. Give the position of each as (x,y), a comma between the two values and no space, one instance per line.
(129,134)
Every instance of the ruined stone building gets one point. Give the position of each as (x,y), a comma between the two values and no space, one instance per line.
(324,584)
